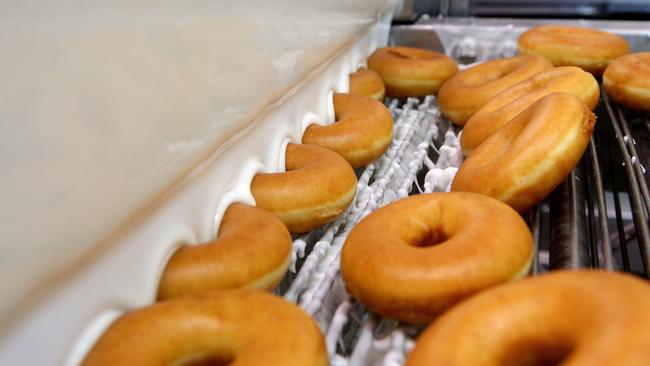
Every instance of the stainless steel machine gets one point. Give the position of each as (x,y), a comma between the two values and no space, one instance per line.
(597,218)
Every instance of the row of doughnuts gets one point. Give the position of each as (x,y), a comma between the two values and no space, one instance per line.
(206,310)
(253,249)
(532,88)
(416,72)
(317,186)
(242,227)
(526,124)
(446,248)
(362,132)
(508,158)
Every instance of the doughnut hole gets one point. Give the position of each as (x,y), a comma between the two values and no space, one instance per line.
(206,360)
(434,236)
(537,352)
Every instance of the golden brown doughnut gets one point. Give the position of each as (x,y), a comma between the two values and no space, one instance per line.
(469,90)
(589,49)
(529,156)
(362,131)
(505,106)
(231,327)
(252,250)
(414,258)
(367,82)
(317,186)
(411,72)
(627,80)
(560,318)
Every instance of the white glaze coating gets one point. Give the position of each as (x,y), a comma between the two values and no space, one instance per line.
(439,180)
(364,344)
(338,321)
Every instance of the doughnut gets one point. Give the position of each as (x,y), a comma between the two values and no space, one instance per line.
(230,327)
(411,72)
(627,80)
(367,82)
(502,108)
(252,250)
(362,131)
(317,186)
(466,92)
(412,259)
(589,49)
(529,156)
(560,318)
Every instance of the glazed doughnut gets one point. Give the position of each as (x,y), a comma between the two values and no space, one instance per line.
(528,157)
(231,327)
(560,318)
(367,82)
(318,186)
(252,250)
(627,80)
(362,131)
(589,49)
(502,108)
(414,258)
(466,92)
(411,72)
